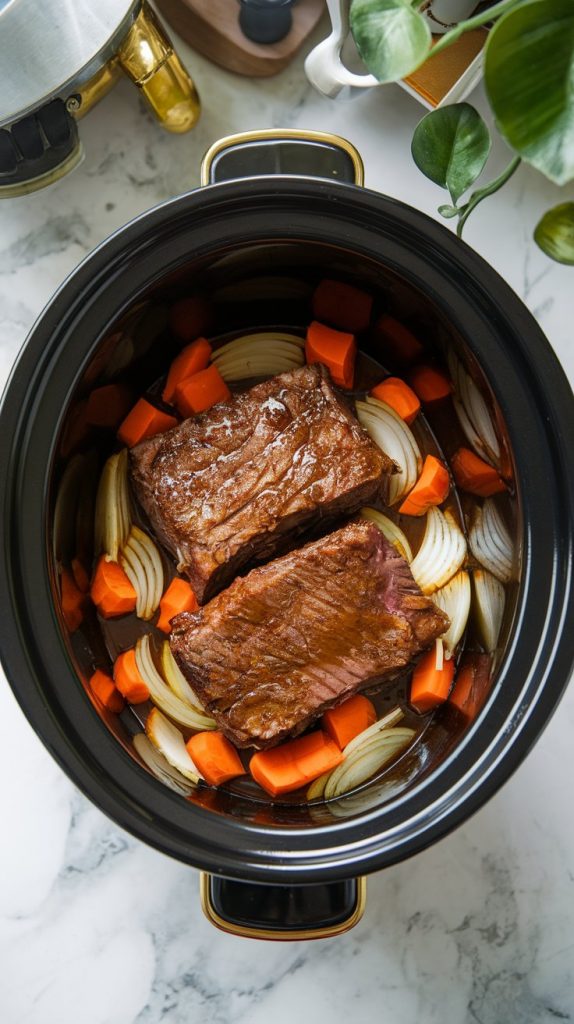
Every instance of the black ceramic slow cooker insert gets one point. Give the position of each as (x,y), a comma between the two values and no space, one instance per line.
(293,208)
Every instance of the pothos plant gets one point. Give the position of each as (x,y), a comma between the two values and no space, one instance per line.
(529,78)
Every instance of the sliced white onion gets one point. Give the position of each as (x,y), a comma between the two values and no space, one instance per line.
(473,412)
(317,787)
(439,654)
(454,600)
(159,767)
(159,691)
(141,562)
(488,604)
(366,760)
(441,553)
(396,439)
(259,355)
(490,541)
(388,720)
(391,531)
(177,682)
(113,515)
(170,742)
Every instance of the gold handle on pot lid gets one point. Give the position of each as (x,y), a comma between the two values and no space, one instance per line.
(149,60)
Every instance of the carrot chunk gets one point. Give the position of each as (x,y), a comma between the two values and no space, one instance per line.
(474,475)
(471,684)
(179,597)
(347,720)
(430,384)
(431,488)
(333,348)
(111,591)
(128,679)
(144,420)
(343,305)
(292,765)
(200,392)
(399,396)
(190,317)
(72,601)
(190,360)
(109,405)
(216,758)
(105,690)
(401,348)
(430,686)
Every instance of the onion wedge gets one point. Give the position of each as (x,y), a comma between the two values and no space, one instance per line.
(473,412)
(159,691)
(391,531)
(367,759)
(396,439)
(489,601)
(141,562)
(159,767)
(177,682)
(170,742)
(454,600)
(490,541)
(259,355)
(113,514)
(441,553)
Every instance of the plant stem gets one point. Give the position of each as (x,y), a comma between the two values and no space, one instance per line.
(488,190)
(466,26)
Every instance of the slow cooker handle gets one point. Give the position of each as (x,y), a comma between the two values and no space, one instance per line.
(287,151)
(282,912)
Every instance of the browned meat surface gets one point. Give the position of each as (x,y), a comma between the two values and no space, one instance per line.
(294,637)
(234,484)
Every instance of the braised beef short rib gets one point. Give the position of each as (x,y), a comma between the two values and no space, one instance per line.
(237,483)
(299,635)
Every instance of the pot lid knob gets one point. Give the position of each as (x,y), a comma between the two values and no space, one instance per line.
(265,21)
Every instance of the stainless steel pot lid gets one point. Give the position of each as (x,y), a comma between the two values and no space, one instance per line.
(46,47)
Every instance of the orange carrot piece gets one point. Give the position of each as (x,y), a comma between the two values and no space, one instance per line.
(431,488)
(72,601)
(474,475)
(191,359)
(292,765)
(399,396)
(190,317)
(109,405)
(431,385)
(145,420)
(179,597)
(80,575)
(401,348)
(111,591)
(430,686)
(347,720)
(200,392)
(335,349)
(105,690)
(471,684)
(128,679)
(343,305)
(216,758)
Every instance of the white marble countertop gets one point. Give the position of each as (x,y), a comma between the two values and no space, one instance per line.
(95,928)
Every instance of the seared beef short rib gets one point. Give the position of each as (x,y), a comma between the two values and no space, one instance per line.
(236,484)
(299,635)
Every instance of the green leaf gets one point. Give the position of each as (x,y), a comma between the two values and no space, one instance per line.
(448,211)
(391,37)
(451,145)
(529,76)
(555,233)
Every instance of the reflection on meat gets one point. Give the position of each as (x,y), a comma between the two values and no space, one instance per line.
(237,483)
(299,635)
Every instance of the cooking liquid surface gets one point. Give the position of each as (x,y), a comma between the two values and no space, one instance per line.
(121,634)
